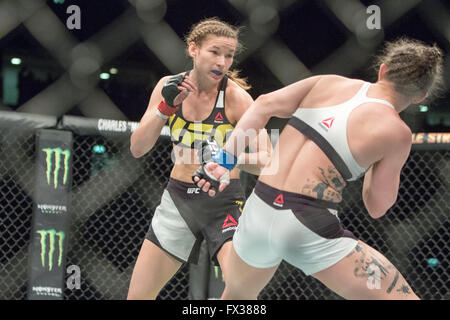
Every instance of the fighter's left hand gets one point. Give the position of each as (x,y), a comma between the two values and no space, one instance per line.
(216,172)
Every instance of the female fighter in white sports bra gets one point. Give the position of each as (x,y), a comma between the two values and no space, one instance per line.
(340,129)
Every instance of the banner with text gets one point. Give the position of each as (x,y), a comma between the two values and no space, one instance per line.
(50,226)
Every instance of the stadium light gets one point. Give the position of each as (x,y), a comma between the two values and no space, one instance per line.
(16,61)
(99,148)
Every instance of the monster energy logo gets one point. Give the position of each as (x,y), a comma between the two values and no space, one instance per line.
(216,273)
(58,152)
(51,246)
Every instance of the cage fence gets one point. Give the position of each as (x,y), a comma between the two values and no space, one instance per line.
(114,195)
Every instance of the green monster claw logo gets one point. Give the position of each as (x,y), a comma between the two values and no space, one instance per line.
(57,164)
(51,247)
(216,273)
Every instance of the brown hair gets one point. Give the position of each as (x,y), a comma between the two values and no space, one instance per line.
(214,26)
(413,66)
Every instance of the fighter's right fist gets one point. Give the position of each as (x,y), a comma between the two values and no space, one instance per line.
(170,89)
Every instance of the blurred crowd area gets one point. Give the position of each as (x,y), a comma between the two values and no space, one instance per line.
(284,41)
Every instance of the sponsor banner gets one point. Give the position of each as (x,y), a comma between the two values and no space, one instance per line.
(48,246)
(216,283)
(104,127)
(52,208)
(430,137)
(47,291)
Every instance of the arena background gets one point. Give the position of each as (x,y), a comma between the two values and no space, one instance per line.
(87,87)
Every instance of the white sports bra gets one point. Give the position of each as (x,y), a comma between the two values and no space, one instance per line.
(327,127)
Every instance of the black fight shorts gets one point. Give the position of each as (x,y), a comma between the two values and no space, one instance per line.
(187,215)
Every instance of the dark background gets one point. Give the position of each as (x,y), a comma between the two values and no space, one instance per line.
(316,34)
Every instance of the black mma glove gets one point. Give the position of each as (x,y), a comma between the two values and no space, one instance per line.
(170,89)
(169,92)
(206,152)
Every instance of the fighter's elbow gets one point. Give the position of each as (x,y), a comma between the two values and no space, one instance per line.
(264,104)
(135,148)
(136,153)
(379,209)
(378,202)
(270,105)
(264,100)
(376,214)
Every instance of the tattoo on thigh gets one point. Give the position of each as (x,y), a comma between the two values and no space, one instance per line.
(369,266)
(393,282)
(366,265)
(404,289)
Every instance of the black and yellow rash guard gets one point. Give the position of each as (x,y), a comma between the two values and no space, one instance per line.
(216,126)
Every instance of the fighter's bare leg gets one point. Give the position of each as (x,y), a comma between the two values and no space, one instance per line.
(154,268)
(366,274)
(242,281)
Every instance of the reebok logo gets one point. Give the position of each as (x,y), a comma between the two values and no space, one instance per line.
(229,224)
(279,201)
(219,117)
(327,123)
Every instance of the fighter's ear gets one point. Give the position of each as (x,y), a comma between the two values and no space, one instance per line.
(192,49)
(382,72)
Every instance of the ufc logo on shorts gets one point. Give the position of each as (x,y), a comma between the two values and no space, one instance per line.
(193,190)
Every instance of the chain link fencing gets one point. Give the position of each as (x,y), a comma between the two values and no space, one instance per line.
(113,200)
(17,179)
(114,196)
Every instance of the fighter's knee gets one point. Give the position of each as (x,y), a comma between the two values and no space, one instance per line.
(136,295)
(238,293)
(240,289)
(132,296)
